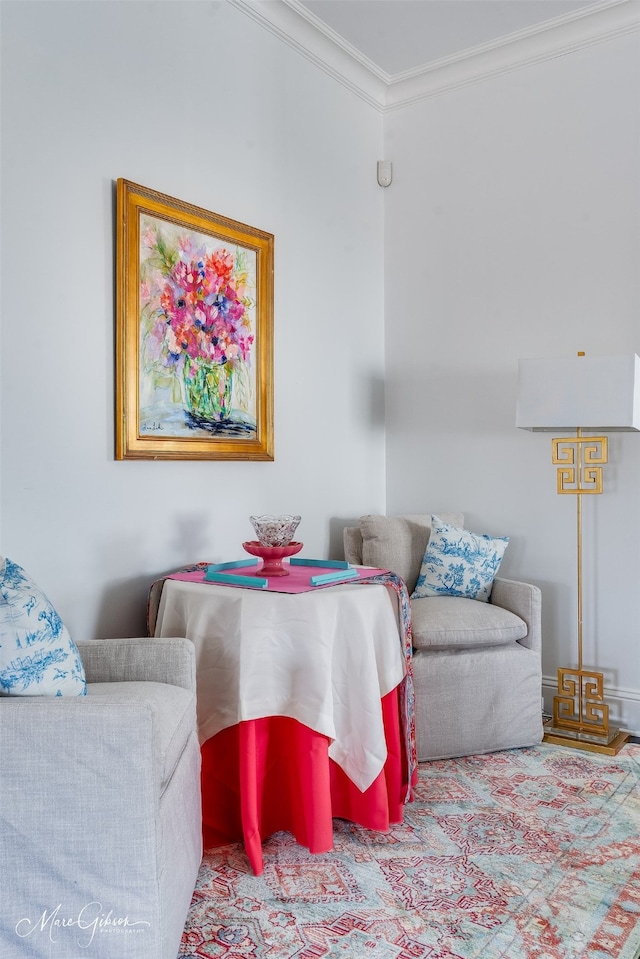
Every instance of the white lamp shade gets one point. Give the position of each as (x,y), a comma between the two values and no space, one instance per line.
(591,392)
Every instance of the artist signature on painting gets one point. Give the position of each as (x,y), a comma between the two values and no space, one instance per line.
(91,919)
(154,427)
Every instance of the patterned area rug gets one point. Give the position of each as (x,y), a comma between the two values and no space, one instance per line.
(525,854)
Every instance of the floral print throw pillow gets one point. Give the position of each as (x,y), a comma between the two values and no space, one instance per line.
(37,655)
(459,563)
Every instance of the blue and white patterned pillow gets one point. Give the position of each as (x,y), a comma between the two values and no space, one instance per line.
(37,655)
(459,563)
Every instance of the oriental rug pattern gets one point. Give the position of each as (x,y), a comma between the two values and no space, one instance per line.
(525,854)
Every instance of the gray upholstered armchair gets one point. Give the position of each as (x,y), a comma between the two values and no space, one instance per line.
(100,817)
(477,666)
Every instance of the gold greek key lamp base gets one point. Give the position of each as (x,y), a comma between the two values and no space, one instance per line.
(580,715)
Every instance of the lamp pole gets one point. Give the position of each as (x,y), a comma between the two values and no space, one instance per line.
(579,546)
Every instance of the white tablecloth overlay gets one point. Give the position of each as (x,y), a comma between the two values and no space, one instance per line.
(324,657)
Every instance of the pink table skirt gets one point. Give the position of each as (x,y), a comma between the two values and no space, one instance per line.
(274,774)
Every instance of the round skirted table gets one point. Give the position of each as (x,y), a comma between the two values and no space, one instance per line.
(298,707)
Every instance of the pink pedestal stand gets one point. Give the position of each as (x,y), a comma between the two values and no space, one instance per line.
(272,556)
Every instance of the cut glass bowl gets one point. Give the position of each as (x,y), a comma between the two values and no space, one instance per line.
(275,530)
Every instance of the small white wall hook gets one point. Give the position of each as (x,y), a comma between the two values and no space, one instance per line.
(384,172)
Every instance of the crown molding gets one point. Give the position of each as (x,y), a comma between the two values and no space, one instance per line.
(296,26)
(285,22)
(555,38)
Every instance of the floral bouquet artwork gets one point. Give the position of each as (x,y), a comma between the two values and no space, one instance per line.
(197,321)
(194,331)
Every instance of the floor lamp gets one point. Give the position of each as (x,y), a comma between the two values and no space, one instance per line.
(595,393)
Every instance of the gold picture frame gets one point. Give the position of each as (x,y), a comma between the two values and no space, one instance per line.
(194,332)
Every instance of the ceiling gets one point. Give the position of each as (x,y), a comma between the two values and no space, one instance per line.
(394,52)
(397,36)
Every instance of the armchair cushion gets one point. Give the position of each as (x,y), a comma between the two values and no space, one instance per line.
(454,622)
(37,655)
(398,543)
(458,562)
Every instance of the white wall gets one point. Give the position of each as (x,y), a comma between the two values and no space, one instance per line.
(512,230)
(197,101)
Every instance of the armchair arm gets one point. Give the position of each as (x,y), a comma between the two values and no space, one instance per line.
(162,660)
(525,600)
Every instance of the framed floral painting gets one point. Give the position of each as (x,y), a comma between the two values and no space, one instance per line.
(194,332)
